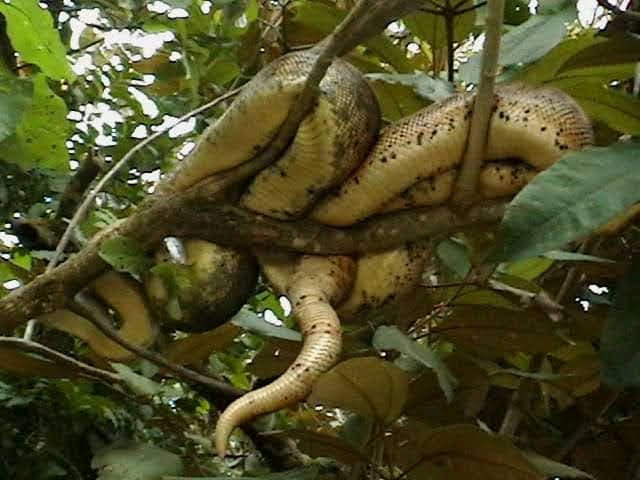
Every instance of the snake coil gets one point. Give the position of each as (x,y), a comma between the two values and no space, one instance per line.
(339,170)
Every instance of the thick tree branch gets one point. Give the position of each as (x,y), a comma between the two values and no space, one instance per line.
(229,225)
(466,185)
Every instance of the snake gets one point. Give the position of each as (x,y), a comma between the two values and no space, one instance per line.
(341,168)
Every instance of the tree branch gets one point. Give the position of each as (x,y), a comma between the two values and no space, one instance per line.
(88,308)
(74,365)
(466,185)
(626,14)
(229,225)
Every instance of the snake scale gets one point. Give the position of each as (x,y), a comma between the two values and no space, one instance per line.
(340,169)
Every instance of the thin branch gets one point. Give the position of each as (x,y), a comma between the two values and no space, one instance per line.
(626,14)
(88,201)
(92,311)
(433,11)
(449,18)
(467,182)
(57,357)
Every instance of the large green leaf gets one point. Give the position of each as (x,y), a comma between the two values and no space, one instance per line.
(33,36)
(431,28)
(620,48)
(617,109)
(390,338)
(620,343)
(135,461)
(525,43)
(15,98)
(569,200)
(41,135)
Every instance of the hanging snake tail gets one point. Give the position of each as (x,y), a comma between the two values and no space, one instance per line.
(317,284)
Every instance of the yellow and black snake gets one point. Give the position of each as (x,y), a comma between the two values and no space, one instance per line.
(340,169)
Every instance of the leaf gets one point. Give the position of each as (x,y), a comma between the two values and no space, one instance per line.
(305,473)
(619,346)
(432,89)
(621,48)
(321,445)
(427,402)
(368,386)
(249,320)
(390,338)
(33,36)
(135,461)
(431,28)
(617,109)
(41,134)
(569,200)
(464,452)
(499,330)
(574,257)
(137,383)
(554,469)
(525,43)
(20,363)
(396,100)
(15,98)
(196,348)
(455,256)
(125,255)
(274,358)
(528,268)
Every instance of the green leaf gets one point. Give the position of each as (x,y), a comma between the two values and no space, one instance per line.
(579,193)
(137,383)
(432,89)
(41,134)
(249,320)
(15,98)
(390,338)
(431,28)
(135,461)
(574,257)
(553,469)
(455,256)
(529,268)
(525,43)
(33,36)
(620,48)
(125,255)
(617,109)
(620,343)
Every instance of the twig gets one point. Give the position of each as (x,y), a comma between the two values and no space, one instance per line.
(466,184)
(626,14)
(449,18)
(88,308)
(57,357)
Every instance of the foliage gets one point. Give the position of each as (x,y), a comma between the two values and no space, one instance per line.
(529,330)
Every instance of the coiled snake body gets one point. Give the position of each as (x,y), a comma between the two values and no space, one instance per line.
(340,170)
